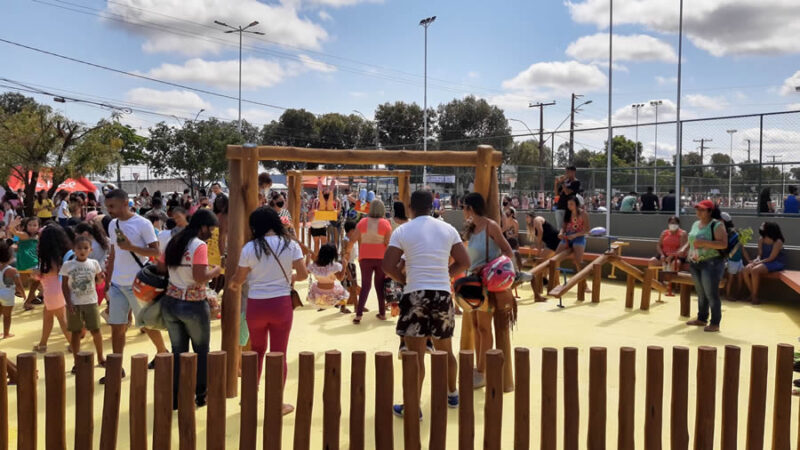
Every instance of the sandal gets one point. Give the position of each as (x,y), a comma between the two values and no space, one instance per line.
(381,316)
(357,320)
(287,409)
(40,348)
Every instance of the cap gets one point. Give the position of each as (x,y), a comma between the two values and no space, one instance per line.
(726,217)
(705,204)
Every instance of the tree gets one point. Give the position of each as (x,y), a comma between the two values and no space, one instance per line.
(13,102)
(400,125)
(463,124)
(294,128)
(626,150)
(720,164)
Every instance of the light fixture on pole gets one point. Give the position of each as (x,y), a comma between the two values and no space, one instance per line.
(656,104)
(730,169)
(241,30)
(574,109)
(425,23)
(636,107)
(198,114)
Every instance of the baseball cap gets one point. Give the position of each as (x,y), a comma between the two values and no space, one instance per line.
(705,204)
(726,217)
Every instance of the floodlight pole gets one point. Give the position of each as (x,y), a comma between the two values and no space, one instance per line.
(241,30)
(425,23)
(730,168)
(678,125)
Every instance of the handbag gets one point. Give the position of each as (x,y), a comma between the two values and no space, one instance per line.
(150,316)
(296,302)
(469,289)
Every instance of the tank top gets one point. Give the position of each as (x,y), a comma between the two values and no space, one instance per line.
(670,242)
(550,236)
(575,225)
(27,255)
(766,251)
(707,233)
(7,290)
(477,250)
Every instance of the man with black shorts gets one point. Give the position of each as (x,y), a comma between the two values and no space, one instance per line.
(426,307)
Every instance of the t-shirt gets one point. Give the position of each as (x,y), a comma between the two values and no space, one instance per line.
(373,235)
(81,276)
(426,244)
(63,210)
(628,203)
(574,186)
(140,233)
(668,203)
(649,202)
(266,280)
(163,239)
(196,253)
(45,208)
(791,205)
(733,240)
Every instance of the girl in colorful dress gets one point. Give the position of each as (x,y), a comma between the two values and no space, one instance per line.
(326,290)
(574,231)
(27,253)
(54,244)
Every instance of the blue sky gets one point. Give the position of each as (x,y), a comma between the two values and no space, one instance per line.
(339,55)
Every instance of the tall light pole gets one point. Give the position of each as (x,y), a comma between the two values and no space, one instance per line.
(656,104)
(678,126)
(636,107)
(730,168)
(425,23)
(610,145)
(241,30)
(198,114)
(574,109)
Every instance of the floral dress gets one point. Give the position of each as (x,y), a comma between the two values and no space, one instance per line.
(326,297)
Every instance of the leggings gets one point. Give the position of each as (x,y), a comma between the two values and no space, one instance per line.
(368,267)
(269,321)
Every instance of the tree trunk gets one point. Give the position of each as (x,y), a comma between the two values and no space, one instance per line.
(30,192)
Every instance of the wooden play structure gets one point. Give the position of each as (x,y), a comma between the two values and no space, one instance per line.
(244,163)
(665,417)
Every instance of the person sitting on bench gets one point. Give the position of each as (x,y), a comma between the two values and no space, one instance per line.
(771,258)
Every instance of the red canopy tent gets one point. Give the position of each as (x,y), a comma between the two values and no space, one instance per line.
(45,182)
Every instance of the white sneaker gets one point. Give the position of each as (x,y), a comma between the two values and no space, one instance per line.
(478,380)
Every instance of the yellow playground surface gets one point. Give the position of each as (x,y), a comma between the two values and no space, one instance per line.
(581,325)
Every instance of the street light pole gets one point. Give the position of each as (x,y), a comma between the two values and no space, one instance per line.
(636,107)
(730,168)
(656,104)
(573,110)
(425,23)
(241,30)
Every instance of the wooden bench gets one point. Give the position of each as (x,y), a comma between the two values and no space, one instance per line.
(790,278)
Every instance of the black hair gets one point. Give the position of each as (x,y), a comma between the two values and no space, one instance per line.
(633,193)
(157,194)
(771,230)
(106,222)
(264,178)
(53,245)
(399,209)
(177,245)
(476,202)
(793,189)
(763,200)
(153,218)
(157,203)
(117,194)
(186,191)
(5,252)
(675,219)
(79,239)
(221,204)
(649,189)
(262,221)
(568,212)
(202,192)
(716,213)
(349,225)
(41,195)
(179,210)
(572,168)
(327,255)
(672,191)
(96,231)
(421,203)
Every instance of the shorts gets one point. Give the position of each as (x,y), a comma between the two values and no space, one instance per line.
(350,278)
(120,301)
(426,314)
(774,266)
(734,267)
(84,316)
(579,241)
(318,232)
(7,302)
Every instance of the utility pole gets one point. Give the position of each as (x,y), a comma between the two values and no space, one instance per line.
(541,106)
(241,30)
(702,142)
(574,109)
(748,149)
(730,167)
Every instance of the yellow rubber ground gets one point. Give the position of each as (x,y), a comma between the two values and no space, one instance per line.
(540,325)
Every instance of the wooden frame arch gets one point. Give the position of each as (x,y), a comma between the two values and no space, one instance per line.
(243,179)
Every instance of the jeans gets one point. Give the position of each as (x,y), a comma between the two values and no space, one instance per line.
(188,321)
(368,267)
(269,320)
(707,275)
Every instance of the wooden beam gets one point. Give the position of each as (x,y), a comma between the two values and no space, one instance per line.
(231,300)
(349,173)
(578,277)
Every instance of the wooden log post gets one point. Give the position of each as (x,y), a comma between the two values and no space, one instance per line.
(647,287)
(248,419)
(679,403)
(757,402)
(231,299)
(332,400)
(549,401)
(273,401)
(4,419)
(187,384)
(111,397)
(56,409)
(137,403)
(27,419)
(215,408)
(627,399)
(384,380)
(553,279)
(706,398)
(782,402)
(686,300)
(467,340)
(438,431)
(493,405)
(358,370)
(597,282)
(571,399)
(84,400)
(162,401)
(630,290)
(503,343)
(597,398)
(730,398)
(466,411)
(305,402)
(411,408)
(654,398)
(522,397)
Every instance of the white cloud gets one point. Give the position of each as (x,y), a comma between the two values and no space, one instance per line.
(340,3)
(172,102)
(324,16)
(557,78)
(666,80)
(357,94)
(635,47)
(315,65)
(667,111)
(793,107)
(721,27)
(473,75)
(790,84)
(255,116)
(190,19)
(705,102)
(510,101)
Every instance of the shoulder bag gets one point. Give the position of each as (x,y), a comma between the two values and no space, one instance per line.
(296,302)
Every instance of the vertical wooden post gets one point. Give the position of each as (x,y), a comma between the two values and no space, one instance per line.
(757,403)
(553,279)
(730,398)
(215,413)
(332,400)
(467,332)
(231,300)
(404,188)
(162,401)
(187,383)
(679,404)
(597,398)
(493,405)
(248,419)
(84,400)
(686,300)
(297,193)
(438,431)
(111,396)
(630,289)
(483,172)
(654,398)
(305,402)
(647,288)
(466,411)
(358,368)
(26,402)
(411,410)
(627,398)
(706,398)
(137,403)
(571,399)
(549,400)
(3,401)
(522,397)
(273,401)
(597,282)
(56,409)
(384,380)
(581,290)
(782,403)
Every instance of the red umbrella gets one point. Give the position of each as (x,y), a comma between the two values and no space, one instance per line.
(45,182)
